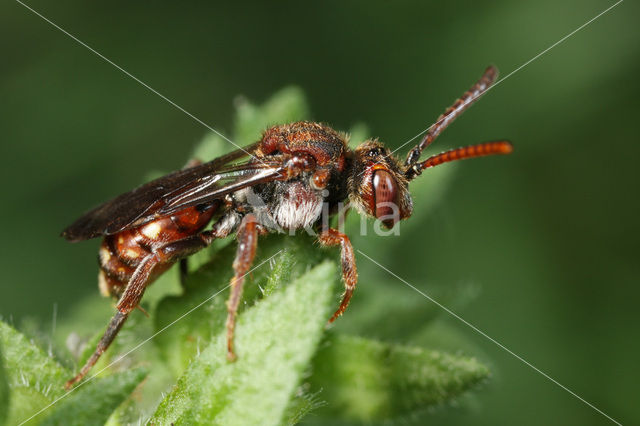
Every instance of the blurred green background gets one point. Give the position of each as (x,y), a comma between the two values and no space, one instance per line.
(548,236)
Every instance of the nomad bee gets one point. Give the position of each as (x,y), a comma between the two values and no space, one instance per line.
(280,183)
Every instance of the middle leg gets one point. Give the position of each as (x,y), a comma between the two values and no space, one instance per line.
(247,236)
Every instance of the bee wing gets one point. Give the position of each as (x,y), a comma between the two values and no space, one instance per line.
(192,186)
(206,192)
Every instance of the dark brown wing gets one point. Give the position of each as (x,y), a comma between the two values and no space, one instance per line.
(183,188)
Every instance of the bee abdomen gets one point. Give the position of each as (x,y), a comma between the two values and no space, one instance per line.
(120,254)
(117,266)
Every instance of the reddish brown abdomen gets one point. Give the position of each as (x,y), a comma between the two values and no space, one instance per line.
(121,253)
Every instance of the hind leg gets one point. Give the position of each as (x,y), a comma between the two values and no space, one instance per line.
(135,288)
(133,292)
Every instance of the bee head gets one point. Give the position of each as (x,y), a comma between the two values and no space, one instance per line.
(377,185)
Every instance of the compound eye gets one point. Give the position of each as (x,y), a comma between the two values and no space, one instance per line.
(385,191)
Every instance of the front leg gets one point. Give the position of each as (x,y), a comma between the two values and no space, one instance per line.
(333,237)
(247,236)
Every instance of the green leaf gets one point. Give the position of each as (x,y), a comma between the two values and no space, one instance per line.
(285,106)
(302,404)
(382,309)
(4,391)
(275,341)
(180,341)
(210,147)
(95,401)
(138,329)
(367,380)
(390,311)
(35,379)
(358,133)
(183,340)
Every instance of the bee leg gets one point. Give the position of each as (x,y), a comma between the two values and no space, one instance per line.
(247,236)
(136,286)
(184,270)
(129,300)
(112,330)
(181,249)
(333,237)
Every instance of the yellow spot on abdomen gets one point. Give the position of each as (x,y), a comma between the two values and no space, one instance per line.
(151,230)
(103,285)
(105,255)
(131,253)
